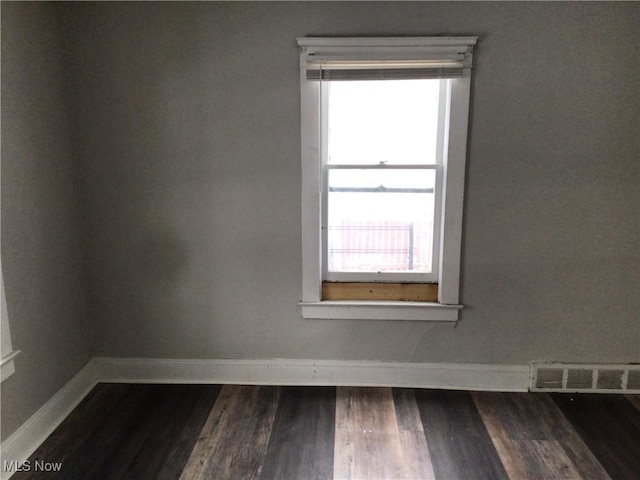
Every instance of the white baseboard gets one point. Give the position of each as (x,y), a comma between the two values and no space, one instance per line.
(24,441)
(317,372)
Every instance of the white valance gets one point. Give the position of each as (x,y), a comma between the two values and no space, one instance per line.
(362,58)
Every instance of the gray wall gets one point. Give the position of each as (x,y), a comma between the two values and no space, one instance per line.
(41,257)
(186,136)
(188,116)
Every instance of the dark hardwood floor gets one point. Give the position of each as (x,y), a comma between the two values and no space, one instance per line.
(123,431)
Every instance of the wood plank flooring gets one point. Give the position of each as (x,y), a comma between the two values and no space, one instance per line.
(190,432)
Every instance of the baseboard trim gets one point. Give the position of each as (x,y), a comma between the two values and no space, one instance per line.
(317,372)
(23,442)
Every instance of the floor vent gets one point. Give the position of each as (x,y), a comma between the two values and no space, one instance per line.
(564,377)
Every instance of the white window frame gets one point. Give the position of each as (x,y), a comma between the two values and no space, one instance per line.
(445,52)
(7,354)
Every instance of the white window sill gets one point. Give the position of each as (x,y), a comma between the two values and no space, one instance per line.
(7,367)
(378,310)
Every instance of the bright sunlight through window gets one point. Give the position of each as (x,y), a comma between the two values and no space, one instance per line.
(381,215)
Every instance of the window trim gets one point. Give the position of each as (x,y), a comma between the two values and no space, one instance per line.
(444,51)
(7,354)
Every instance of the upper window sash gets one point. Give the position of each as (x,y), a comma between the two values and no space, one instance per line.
(322,89)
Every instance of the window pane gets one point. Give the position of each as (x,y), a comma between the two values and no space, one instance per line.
(392,121)
(380,220)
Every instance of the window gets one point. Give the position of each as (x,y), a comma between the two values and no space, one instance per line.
(384,127)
